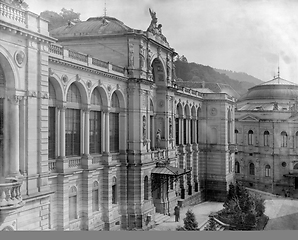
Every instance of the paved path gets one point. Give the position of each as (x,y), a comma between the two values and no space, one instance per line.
(282,213)
(201,212)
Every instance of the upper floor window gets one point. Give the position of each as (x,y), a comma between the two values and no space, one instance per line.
(251,169)
(114,124)
(284,137)
(267,171)
(146,188)
(296,140)
(95,197)
(72,203)
(236,136)
(237,167)
(266,138)
(250,137)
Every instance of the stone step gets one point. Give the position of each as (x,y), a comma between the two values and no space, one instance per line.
(160,218)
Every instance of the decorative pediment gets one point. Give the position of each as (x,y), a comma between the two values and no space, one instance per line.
(249,118)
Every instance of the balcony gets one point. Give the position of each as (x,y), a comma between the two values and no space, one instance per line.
(10,195)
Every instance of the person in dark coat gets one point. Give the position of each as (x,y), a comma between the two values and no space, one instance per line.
(177,213)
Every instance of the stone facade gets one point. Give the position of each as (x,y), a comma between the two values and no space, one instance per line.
(266,133)
(86,129)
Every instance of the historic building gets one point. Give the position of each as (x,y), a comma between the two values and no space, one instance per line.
(266,135)
(95,132)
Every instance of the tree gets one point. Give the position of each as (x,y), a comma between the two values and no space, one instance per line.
(241,208)
(190,223)
(60,19)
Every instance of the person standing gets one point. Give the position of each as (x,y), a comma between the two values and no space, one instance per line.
(177,213)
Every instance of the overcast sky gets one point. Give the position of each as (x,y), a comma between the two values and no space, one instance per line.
(252,36)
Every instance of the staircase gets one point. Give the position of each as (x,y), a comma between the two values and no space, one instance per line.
(160,218)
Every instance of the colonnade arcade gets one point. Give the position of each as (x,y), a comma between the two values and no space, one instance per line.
(85,123)
(11,122)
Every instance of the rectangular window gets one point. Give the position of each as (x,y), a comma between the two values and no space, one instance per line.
(52,133)
(95,200)
(72,132)
(114,194)
(184,130)
(177,130)
(72,207)
(114,132)
(95,132)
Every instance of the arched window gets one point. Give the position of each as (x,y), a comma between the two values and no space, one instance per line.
(72,203)
(178,121)
(95,130)
(95,197)
(236,136)
(251,169)
(73,122)
(237,167)
(52,122)
(114,190)
(146,188)
(266,138)
(114,124)
(250,137)
(267,171)
(284,137)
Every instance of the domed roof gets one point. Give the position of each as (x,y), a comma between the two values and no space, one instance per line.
(92,27)
(275,89)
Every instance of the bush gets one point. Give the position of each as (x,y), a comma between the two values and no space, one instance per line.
(190,223)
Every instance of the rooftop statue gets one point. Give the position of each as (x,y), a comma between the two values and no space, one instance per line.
(154,27)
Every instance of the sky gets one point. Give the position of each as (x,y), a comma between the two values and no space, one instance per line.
(251,36)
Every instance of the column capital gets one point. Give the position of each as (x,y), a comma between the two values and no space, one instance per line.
(62,107)
(15,99)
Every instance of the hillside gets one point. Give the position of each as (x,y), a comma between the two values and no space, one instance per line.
(240,76)
(191,74)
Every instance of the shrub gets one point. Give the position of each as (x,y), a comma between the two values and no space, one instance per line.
(190,223)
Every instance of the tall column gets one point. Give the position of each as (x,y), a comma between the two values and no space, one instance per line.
(6,137)
(107,131)
(103,124)
(86,132)
(22,136)
(14,136)
(62,132)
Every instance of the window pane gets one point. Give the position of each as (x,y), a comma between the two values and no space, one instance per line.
(52,133)
(95,132)
(72,207)
(114,132)
(95,200)
(72,132)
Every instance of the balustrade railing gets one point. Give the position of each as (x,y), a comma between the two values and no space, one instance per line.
(10,194)
(74,162)
(95,159)
(99,63)
(56,49)
(117,69)
(78,56)
(52,165)
(12,13)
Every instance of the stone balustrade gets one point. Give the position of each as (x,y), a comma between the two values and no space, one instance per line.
(10,195)
(58,51)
